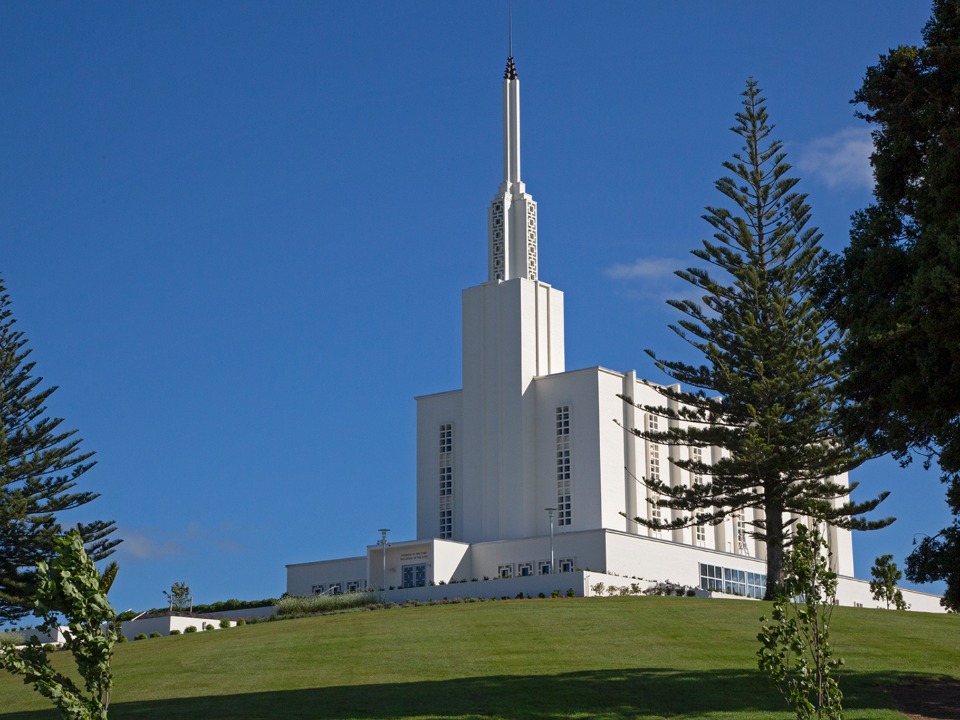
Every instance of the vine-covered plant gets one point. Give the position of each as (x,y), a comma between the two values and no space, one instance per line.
(795,646)
(71,586)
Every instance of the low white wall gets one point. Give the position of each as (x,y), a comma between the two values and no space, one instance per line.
(493,588)
(164,624)
(855,592)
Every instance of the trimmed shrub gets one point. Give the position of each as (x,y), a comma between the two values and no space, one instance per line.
(224,623)
(190,629)
(174,632)
(571,593)
(155,635)
(241,622)
(313,604)
(139,636)
(691,593)
(211,626)
(49,647)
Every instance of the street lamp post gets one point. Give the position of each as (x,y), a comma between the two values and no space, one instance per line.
(550,512)
(382,542)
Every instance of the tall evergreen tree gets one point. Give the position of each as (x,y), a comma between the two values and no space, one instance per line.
(769,368)
(895,291)
(40,465)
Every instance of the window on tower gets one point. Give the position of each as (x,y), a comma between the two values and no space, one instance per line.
(564,472)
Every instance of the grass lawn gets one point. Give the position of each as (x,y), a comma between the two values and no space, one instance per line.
(638,658)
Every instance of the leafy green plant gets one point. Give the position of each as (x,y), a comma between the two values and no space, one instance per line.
(224,623)
(71,586)
(155,635)
(795,646)
(190,629)
(174,632)
(140,636)
(883,587)
(241,622)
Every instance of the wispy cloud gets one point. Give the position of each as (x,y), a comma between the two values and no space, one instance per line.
(140,545)
(151,543)
(841,159)
(645,268)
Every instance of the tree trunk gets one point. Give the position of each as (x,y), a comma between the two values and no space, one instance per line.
(774,528)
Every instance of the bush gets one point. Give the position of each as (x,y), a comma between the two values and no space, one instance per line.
(122,638)
(555,594)
(174,632)
(155,635)
(190,629)
(691,592)
(313,604)
(241,622)
(571,593)
(139,636)
(598,588)
(211,626)
(11,637)
(224,623)
(49,647)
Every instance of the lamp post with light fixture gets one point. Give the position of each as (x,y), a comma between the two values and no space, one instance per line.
(382,542)
(550,512)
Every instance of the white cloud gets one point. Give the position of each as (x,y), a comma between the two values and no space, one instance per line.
(645,268)
(140,546)
(841,159)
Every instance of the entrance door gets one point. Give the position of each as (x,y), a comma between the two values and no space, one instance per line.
(414,575)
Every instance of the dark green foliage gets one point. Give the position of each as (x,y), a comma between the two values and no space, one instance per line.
(938,558)
(795,646)
(155,635)
(40,465)
(140,636)
(190,629)
(71,587)
(883,587)
(767,387)
(179,596)
(896,289)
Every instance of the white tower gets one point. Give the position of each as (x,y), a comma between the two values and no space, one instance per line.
(512,333)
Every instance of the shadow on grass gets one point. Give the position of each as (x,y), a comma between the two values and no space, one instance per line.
(603,693)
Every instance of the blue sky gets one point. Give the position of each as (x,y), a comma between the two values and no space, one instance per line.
(236,234)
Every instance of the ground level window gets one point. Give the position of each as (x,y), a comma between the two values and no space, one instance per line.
(505,571)
(317,589)
(711,577)
(566,565)
(356,585)
(545,568)
(524,569)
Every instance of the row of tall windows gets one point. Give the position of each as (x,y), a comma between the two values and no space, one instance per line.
(564,494)
(446,481)
(732,581)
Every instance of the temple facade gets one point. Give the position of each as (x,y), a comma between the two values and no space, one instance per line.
(529,469)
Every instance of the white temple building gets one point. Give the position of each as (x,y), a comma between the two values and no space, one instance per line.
(527,471)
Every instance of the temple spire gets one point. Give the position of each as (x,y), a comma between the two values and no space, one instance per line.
(512,218)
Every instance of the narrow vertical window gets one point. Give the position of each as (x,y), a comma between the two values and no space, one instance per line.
(653,470)
(740,528)
(446,481)
(564,495)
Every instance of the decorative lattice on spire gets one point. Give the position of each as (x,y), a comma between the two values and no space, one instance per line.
(511,72)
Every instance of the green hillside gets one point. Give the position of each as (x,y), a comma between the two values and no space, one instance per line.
(535,659)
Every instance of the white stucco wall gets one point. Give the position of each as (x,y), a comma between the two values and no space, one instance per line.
(302,578)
